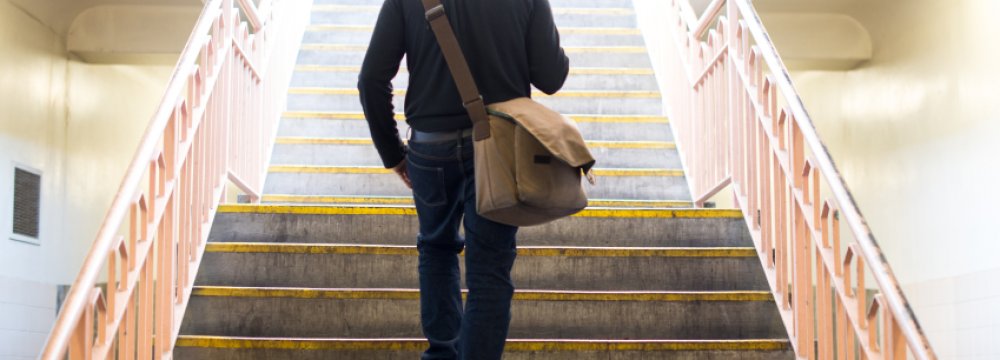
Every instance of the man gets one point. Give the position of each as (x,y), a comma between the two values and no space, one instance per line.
(510,45)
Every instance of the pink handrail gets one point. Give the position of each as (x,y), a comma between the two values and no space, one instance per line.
(216,123)
(741,122)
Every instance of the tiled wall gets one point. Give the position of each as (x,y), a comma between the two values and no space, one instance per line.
(961,315)
(27,311)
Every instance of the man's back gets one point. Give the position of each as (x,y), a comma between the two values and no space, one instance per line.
(509,44)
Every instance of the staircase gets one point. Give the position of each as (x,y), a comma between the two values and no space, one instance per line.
(326,267)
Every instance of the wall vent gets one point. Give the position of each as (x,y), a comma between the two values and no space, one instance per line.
(27,204)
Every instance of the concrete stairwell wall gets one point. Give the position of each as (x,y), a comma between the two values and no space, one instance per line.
(78,124)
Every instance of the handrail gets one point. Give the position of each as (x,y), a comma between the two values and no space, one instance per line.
(216,121)
(710,14)
(791,193)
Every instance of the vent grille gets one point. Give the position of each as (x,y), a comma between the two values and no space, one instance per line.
(27,203)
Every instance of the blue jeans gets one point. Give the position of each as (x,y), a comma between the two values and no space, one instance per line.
(445,194)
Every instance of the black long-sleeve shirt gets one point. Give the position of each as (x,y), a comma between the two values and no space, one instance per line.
(509,45)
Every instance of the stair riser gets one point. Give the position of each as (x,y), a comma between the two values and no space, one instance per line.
(530,272)
(609,187)
(562,19)
(599,59)
(573,82)
(402,230)
(379,318)
(563,104)
(355,37)
(365,155)
(248,354)
(333,128)
(554,3)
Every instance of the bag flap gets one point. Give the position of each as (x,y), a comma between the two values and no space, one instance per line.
(558,133)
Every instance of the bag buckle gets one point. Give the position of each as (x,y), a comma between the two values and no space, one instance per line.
(473,102)
(434,13)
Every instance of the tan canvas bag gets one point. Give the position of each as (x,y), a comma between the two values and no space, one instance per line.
(529,159)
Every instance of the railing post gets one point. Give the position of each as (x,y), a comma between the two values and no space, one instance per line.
(732,93)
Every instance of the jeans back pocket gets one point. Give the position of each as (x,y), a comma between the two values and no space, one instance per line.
(428,184)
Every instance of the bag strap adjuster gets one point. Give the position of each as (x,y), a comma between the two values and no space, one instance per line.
(434,13)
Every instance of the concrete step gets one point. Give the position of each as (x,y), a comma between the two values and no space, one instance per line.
(627,184)
(565,17)
(555,3)
(286,199)
(579,78)
(361,152)
(599,56)
(555,268)
(352,125)
(568,36)
(395,313)
(569,102)
(397,225)
(243,348)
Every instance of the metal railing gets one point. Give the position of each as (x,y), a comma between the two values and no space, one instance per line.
(215,126)
(740,122)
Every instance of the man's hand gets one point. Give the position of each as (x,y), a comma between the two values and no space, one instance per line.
(401,171)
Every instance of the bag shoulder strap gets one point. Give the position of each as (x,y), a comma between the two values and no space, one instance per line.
(452,51)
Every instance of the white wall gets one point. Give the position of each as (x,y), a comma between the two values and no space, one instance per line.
(79,124)
(110,106)
(32,133)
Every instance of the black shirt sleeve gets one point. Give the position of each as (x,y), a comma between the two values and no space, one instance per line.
(375,82)
(547,61)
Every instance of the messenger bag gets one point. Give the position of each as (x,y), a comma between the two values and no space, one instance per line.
(529,159)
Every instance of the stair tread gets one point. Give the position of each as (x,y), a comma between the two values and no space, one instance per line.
(581,251)
(357,115)
(577,70)
(381,170)
(336,140)
(408,200)
(519,294)
(569,49)
(416,344)
(365,209)
(563,30)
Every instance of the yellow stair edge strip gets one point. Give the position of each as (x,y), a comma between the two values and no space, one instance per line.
(410,210)
(562,30)
(378,170)
(539,251)
(408,200)
(522,295)
(652,119)
(569,49)
(568,93)
(334,199)
(560,11)
(368,141)
(572,70)
(513,345)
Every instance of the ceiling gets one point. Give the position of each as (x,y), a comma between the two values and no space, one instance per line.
(59,14)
